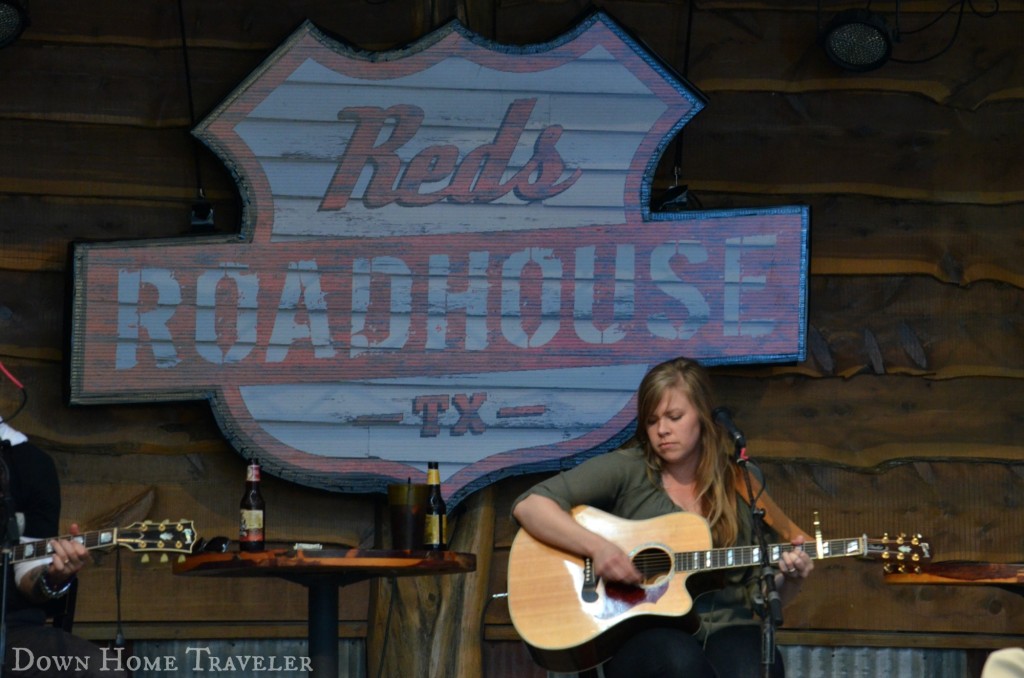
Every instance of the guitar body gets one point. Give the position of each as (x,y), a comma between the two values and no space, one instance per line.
(571,622)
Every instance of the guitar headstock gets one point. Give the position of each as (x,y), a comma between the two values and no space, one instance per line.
(165,536)
(902,553)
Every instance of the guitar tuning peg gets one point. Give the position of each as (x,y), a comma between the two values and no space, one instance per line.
(818,539)
(887,568)
(164,558)
(145,558)
(181,558)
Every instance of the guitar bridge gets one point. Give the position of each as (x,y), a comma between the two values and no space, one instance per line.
(588,592)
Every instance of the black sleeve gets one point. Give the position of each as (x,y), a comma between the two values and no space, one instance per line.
(35,493)
(35,489)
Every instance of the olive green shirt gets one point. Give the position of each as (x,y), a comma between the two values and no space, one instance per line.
(617,482)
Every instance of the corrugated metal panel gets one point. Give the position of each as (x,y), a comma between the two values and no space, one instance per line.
(871,662)
(862,662)
(801,661)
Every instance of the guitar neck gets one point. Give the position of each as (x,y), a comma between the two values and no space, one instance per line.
(745,556)
(41,548)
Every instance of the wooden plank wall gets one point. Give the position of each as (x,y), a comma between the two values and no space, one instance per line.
(908,413)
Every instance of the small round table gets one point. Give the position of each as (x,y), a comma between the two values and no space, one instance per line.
(323,572)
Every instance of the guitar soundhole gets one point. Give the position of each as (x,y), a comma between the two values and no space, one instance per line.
(654,564)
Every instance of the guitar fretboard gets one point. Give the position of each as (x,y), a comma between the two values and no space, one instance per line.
(41,548)
(742,556)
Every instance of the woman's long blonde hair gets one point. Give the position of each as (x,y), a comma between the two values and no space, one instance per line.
(716,473)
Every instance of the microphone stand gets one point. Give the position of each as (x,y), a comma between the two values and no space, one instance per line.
(6,569)
(771,613)
(8,523)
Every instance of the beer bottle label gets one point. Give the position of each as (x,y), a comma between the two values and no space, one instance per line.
(251,525)
(432,534)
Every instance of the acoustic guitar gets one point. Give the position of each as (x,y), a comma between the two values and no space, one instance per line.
(571,621)
(168,536)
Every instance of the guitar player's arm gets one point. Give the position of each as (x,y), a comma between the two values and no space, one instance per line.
(43,580)
(546,521)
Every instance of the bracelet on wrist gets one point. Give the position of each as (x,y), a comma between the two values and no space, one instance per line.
(50,592)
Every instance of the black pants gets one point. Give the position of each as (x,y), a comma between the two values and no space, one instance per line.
(731,652)
(44,650)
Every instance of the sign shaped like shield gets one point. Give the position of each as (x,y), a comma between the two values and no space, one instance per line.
(446,254)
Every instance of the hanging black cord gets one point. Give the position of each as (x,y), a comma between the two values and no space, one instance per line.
(952,38)
(686,75)
(677,197)
(188,91)
(686,72)
(963,4)
(18,409)
(689,37)
(21,390)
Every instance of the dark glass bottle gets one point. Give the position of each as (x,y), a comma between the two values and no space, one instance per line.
(435,529)
(251,532)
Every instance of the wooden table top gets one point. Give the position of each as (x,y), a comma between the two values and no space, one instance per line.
(346,563)
(962,572)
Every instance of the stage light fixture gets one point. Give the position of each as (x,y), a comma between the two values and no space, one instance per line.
(201,219)
(675,199)
(858,40)
(13,20)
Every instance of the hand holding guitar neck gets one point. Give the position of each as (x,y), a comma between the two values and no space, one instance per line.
(69,557)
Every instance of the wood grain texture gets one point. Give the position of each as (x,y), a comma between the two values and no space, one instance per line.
(963,572)
(906,414)
(428,608)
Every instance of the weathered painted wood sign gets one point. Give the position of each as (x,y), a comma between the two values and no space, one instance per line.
(446,254)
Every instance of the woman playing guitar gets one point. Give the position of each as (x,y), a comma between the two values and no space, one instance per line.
(680,460)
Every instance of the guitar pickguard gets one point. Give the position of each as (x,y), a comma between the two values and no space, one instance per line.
(621,598)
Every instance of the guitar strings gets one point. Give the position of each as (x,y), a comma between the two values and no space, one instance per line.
(653,561)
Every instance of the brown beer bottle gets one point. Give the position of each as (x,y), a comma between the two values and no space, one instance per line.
(435,529)
(251,526)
